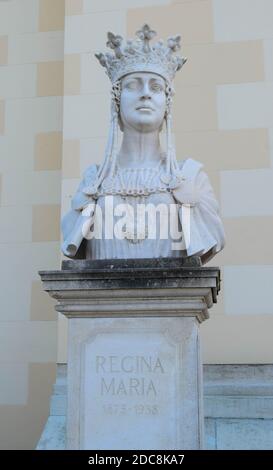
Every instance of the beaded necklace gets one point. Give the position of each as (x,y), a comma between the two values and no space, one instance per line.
(134,181)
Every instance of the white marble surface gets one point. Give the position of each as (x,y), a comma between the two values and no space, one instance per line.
(134,383)
(128,390)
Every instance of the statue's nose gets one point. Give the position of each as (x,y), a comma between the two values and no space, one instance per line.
(146,93)
(146,96)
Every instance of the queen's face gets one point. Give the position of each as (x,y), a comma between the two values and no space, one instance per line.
(142,101)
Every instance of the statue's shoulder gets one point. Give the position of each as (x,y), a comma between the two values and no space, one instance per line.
(83,195)
(190,168)
(90,173)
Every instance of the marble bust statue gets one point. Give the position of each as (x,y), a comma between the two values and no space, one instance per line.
(141,202)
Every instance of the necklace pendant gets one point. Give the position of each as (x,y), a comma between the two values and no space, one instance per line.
(136,237)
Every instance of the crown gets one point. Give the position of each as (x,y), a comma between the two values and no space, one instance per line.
(139,55)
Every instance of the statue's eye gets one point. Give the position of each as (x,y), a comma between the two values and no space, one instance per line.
(157,87)
(132,85)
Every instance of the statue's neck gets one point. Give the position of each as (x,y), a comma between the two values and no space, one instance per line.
(139,149)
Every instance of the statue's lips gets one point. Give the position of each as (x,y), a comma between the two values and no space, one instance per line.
(144,108)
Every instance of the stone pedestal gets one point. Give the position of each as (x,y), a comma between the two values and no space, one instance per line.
(134,366)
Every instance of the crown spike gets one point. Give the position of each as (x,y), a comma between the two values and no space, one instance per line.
(146,34)
(139,55)
(115,43)
(174,43)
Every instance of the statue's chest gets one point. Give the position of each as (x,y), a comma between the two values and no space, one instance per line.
(137,218)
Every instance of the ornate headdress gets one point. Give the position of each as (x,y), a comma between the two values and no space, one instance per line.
(140,55)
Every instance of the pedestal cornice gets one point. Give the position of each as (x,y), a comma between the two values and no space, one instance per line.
(166,287)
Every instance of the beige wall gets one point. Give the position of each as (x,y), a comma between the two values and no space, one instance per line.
(31,89)
(223,117)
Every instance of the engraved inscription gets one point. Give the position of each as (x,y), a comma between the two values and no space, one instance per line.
(124,409)
(138,370)
(128,390)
